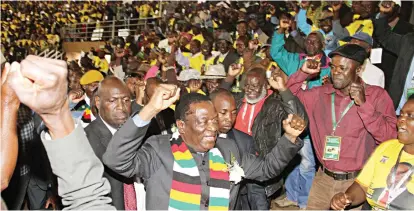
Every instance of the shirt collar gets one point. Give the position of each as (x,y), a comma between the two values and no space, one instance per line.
(113,130)
(87,100)
(224,55)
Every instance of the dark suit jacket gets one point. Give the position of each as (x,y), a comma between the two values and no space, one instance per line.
(231,58)
(128,155)
(99,136)
(389,58)
(243,141)
(403,46)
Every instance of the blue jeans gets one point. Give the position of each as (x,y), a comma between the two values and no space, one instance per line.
(299,181)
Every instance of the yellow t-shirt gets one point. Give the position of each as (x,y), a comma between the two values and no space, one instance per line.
(145,10)
(199,38)
(364,25)
(84,18)
(378,170)
(101,63)
(196,61)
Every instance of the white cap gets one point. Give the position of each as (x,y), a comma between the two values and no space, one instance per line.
(189,74)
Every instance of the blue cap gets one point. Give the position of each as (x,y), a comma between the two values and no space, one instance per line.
(361,36)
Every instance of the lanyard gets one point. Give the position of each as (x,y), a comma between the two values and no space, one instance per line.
(393,191)
(334,123)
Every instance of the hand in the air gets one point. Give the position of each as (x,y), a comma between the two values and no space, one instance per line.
(277,81)
(311,67)
(140,92)
(41,84)
(164,96)
(294,125)
(75,96)
(8,96)
(234,70)
(284,24)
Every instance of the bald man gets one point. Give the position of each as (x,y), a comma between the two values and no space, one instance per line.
(114,108)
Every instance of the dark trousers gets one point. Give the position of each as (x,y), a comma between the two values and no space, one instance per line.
(22,186)
(257,197)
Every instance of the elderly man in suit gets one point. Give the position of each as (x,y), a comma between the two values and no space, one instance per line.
(193,169)
(114,107)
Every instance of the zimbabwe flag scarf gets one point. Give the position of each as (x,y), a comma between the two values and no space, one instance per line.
(185,191)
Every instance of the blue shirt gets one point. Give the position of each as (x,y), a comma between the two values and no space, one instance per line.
(331,43)
(408,84)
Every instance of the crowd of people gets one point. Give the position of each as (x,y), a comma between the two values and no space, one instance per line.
(220,106)
(28,27)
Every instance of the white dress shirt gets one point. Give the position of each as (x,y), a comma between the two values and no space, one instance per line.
(372,75)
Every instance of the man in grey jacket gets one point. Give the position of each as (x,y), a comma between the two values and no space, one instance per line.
(159,161)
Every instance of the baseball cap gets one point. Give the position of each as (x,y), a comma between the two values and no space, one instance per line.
(351,51)
(361,36)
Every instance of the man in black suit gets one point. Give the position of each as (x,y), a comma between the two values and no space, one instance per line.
(114,106)
(251,195)
(227,56)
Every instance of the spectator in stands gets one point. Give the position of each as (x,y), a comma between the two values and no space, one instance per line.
(391,9)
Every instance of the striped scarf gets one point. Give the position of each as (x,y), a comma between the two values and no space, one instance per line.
(186,184)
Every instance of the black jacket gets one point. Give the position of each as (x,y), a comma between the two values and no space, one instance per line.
(389,58)
(230,58)
(403,47)
(99,136)
(243,141)
(267,126)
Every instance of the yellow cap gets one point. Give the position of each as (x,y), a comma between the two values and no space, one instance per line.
(90,77)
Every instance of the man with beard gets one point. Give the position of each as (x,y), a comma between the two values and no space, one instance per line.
(390,9)
(361,116)
(114,106)
(258,106)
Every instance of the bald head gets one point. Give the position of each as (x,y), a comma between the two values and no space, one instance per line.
(113,101)
(109,83)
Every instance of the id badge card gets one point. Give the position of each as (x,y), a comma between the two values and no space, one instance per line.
(332,148)
(410,91)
